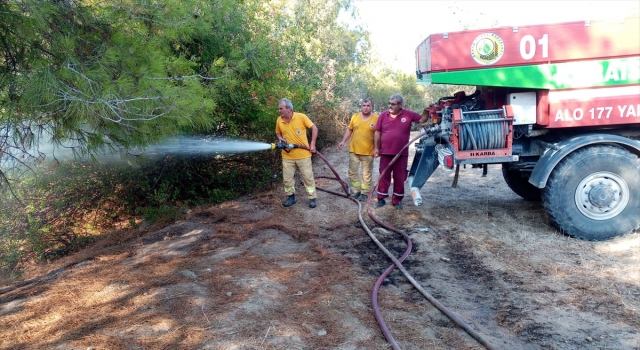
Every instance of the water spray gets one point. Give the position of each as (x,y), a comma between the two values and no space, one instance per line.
(178,146)
(207,146)
(217,146)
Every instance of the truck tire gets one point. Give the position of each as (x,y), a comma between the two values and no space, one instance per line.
(594,193)
(519,184)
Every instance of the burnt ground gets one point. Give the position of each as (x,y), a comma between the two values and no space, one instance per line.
(250,274)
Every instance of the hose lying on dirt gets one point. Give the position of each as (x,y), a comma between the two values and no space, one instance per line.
(396,262)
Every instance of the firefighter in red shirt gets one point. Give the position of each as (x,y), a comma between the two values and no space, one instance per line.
(392,133)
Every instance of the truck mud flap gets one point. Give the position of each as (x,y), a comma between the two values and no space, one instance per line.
(423,166)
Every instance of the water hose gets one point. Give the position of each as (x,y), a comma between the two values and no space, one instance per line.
(482,135)
(396,262)
(342,183)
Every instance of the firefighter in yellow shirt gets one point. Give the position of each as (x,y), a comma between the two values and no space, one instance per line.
(291,127)
(361,130)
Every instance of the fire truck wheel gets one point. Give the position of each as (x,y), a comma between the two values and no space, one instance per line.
(518,182)
(594,193)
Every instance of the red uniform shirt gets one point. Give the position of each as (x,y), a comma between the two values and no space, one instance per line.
(395,132)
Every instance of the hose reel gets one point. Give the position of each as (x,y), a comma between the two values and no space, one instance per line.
(482,136)
(482,130)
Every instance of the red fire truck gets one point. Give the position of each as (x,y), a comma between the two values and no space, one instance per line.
(557,105)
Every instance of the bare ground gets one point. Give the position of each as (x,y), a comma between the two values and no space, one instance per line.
(250,274)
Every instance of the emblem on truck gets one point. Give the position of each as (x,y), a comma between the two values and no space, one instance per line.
(487,48)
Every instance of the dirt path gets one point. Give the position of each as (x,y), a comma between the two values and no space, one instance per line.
(250,274)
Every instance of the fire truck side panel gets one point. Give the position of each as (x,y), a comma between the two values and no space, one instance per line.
(528,45)
(594,107)
(567,75)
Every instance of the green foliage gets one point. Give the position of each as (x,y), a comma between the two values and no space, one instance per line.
(120,75)
(73,203)
(111,77)
(377,81)
(101,77)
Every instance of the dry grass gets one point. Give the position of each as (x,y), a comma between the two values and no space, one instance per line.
(108,301)
(249,274)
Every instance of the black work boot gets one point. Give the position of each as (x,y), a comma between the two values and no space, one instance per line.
(355,195)
(312,203)
(380,203)
(291,200)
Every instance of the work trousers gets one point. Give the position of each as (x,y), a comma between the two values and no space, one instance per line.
(360,184)
(306,170)
(399,173)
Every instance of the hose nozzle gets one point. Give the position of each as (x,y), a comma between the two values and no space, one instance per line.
(283,146)
(429,131)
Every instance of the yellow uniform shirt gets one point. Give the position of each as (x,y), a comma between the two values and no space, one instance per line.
(295,132)
(362,136)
